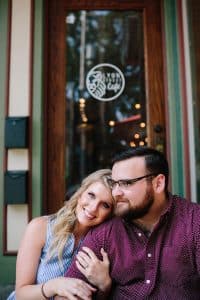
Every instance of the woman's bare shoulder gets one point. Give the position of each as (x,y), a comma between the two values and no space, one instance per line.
(36,229)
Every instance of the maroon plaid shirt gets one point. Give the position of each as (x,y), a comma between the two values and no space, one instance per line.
(165,265)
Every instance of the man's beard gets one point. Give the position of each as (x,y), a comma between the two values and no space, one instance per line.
(141,210)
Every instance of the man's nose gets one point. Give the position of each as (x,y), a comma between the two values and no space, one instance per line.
(116,190)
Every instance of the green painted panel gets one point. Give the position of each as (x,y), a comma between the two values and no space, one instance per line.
(174,97)
(7,271)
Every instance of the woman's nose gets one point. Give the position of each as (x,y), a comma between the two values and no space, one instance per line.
(93,206)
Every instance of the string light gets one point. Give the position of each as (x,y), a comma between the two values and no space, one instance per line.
(111,123)
(85,119)
(132,144)
(137,105)
(82,110)
(82,100)
(136,136)
(142,124)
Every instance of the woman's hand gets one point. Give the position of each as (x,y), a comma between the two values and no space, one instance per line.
(69,288)
(95,270)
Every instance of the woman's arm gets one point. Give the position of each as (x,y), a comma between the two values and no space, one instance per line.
(27,264)
(28,260)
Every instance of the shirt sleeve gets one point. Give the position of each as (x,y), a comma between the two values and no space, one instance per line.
(93,241)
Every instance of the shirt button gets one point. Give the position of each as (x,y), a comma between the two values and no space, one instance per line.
(148,281)
(139,234)
(149,255)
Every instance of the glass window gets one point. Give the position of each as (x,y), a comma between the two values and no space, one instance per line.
(105,89)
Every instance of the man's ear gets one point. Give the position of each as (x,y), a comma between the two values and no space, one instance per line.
(159,183)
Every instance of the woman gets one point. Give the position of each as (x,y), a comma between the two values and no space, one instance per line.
(50,242)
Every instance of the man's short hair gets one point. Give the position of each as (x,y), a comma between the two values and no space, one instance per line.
(155,160)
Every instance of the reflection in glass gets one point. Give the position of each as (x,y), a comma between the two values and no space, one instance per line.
(96,129)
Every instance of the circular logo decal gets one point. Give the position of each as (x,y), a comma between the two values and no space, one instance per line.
(105,82)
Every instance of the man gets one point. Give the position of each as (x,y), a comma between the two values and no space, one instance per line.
(154,244)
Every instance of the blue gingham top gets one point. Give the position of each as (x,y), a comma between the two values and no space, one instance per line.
(52,268)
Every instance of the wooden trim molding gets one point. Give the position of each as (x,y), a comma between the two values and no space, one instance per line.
(5,252)
(30,95)
(184,100)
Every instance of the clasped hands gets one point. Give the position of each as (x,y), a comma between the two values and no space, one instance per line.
(95,270)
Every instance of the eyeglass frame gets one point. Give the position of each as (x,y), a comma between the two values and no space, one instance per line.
(127,182)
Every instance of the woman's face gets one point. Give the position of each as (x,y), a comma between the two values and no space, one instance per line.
(94,205)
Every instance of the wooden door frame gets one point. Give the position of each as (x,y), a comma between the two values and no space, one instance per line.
(54,106)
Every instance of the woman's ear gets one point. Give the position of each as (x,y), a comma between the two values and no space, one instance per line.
(159,183)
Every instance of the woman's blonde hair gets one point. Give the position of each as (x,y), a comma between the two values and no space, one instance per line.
(65,218)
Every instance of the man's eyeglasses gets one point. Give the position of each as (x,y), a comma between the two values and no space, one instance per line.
(125,183)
